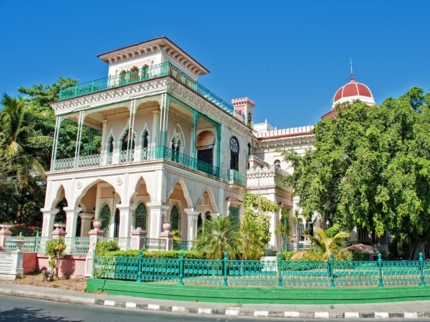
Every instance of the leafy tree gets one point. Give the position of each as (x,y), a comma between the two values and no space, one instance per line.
(217,236)
(322,246)
(370,168)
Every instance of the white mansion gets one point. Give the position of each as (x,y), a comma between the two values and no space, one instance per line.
(160,147)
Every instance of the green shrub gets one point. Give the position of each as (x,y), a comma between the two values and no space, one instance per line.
(105,246)
(188,254)
(55,247)
(287,255)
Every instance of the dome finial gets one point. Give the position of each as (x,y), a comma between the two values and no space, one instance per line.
(352,74)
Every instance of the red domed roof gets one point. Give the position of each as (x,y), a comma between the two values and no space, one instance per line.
(352,91)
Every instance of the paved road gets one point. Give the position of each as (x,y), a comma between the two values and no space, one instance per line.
(21,309)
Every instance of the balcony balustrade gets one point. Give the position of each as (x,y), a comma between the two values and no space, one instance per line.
(147,154)
(236,176)
(148,73)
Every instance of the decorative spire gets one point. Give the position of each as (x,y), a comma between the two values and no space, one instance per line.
(352,74)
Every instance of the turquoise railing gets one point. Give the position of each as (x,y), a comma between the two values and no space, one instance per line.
(77,245)
(236,176)
(159,152)
(183,245)
(31,244)
(151,72)
(155,244)
(265,273)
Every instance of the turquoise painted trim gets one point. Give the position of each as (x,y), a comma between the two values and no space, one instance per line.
(259,295)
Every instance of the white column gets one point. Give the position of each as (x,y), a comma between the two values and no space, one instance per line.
(157,210)
(71,220)
(193,215)
(105,151)
(126,217)
(85,223)
(155,128)
(48,221)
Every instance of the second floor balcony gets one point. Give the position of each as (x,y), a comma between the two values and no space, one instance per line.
(146,154)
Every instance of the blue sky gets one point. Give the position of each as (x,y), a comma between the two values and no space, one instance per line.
(290,57)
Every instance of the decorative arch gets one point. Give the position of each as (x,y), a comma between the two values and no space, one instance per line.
(144,71)
(184,189)
(88,185)
(211,199)
(134,74)
(123,135)
(122,77)
(140,216)
(145,137)
(59,195)
(177,137)
(143,178)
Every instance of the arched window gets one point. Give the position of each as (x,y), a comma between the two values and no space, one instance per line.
(134,74)
(145,142)
(175,150)
(277,164)
(140,216)
(122,77)
(175,218)
(199,224)
(104,217)
(234,153)
(127,141)
(144,72)
(110,149)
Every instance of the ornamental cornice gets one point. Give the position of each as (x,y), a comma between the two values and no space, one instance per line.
(287,142)
(110,96)
(115,169)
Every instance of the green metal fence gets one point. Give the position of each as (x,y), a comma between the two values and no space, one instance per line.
(264,273)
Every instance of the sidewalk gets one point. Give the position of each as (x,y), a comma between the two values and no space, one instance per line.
(375,310)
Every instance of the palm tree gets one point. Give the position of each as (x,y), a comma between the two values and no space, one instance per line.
(217,236)
(322,246)
(250,242)
(18,139)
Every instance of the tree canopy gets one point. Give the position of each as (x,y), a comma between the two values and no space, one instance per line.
(370,168)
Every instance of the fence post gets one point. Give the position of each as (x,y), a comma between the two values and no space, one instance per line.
(181,268)
(279,270)
(381,284)
(139,273)
(330,267)
(423,282)
(225,268)
(93,255)
(37,242)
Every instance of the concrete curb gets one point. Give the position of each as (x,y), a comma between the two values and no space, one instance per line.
(208,311)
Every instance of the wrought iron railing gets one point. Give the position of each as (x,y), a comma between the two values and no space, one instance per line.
(266,273)
(236,176)
(159,152)
(183,245)
(154,71)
